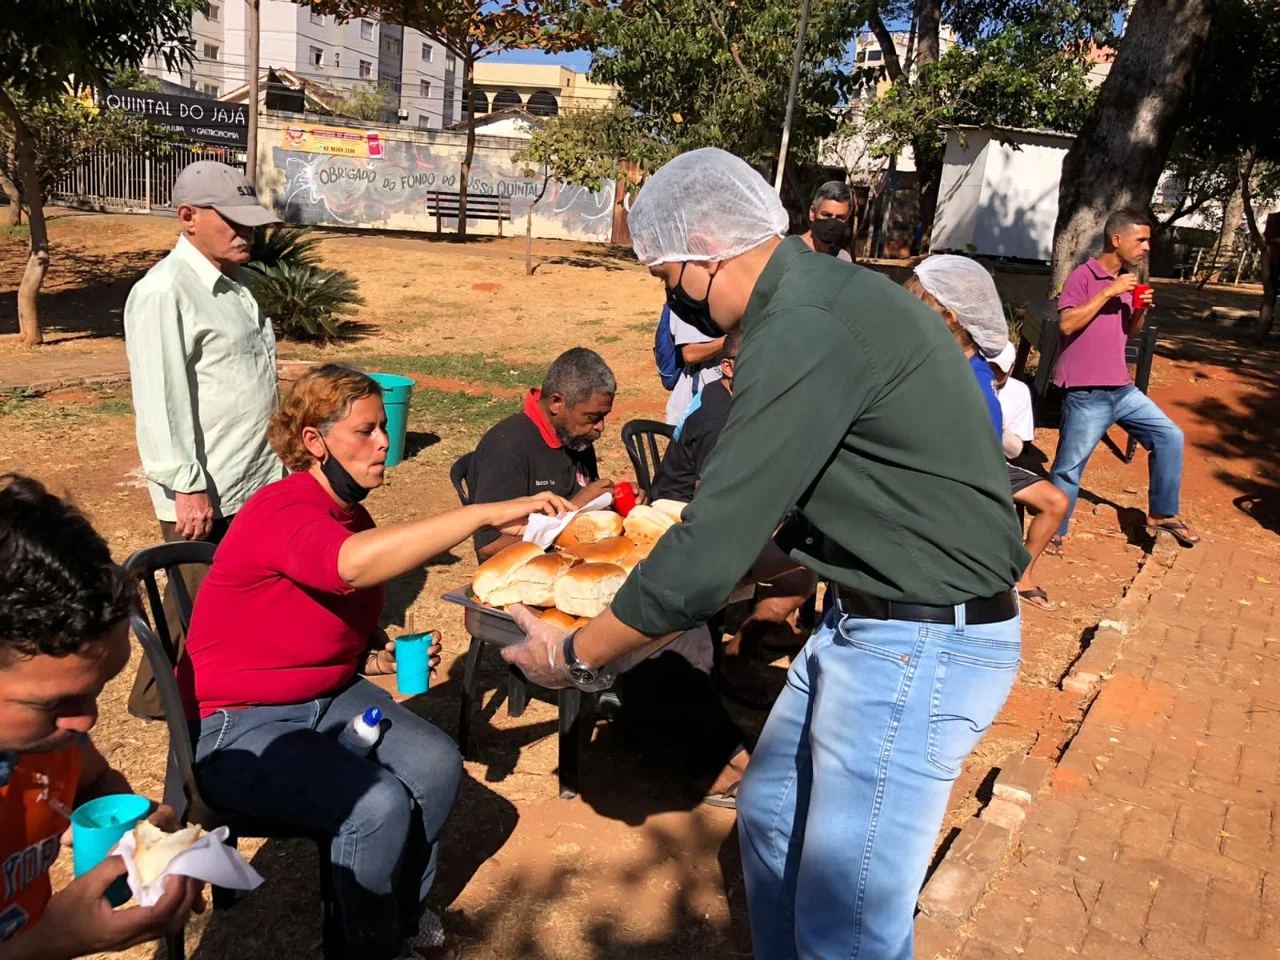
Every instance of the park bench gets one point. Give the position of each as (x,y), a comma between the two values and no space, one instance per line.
(1219,264)
(444,206)
(1039,329)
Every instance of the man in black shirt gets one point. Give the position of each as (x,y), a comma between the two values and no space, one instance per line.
(549,444)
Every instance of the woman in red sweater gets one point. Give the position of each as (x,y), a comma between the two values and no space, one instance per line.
(285,625)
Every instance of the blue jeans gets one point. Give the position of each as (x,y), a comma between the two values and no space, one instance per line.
(1086,417)
(385,811)
(841,804)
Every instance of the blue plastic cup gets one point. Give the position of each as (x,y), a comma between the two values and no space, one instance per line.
(97,826)
(413,663)
(396,391)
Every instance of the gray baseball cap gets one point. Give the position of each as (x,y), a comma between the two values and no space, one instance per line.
(208,183)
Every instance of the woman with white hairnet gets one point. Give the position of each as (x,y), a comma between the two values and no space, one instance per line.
(962,292)
(849,406)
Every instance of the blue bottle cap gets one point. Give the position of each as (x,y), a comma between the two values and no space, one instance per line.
(373,716)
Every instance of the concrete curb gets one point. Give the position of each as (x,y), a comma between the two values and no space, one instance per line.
(1099,658)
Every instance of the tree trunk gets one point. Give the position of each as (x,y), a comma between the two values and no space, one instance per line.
(13,212)
(927,156)
(38,261)
(1232,214)
(1117,159)
(468,84)
(1266,312)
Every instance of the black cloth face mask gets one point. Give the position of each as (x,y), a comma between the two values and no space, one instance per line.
(343,484)
(829,231)
(696,313)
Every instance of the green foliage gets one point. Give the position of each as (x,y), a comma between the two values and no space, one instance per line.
(471,367)
(43,42)
(1007,79)
(282,242)
(453,411)
(304,302)
(709,73)
(129,77)
(583,147)
(367,102)
(66,130)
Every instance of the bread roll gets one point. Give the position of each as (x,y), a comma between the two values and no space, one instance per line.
(561,619)
(590,527)
(535,578)
(638,553)
(494,582)
(644,524)
(153,848)
(672,508)
(602,551)
(588,589)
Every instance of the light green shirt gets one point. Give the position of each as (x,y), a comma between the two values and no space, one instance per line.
(202,360)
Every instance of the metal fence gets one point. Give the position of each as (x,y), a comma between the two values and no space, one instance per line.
(134,182)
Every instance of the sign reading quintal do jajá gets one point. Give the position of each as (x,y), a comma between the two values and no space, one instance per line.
(199,118)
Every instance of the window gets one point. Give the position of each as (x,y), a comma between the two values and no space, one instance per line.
(210,51)
(426,52)
(317,18)
(210,88)
(366,69)
(874,56)
(366,29)
(424,122)
(315,56)
(214,14)
(424,88)
(448,106)
(192,84)
(451,62)
(337,58)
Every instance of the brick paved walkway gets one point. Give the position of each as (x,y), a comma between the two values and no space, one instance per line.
(1157,837)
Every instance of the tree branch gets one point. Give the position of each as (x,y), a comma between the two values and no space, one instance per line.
(892,65)
(733,50)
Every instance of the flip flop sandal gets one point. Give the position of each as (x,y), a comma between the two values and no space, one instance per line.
(1054,549)
(726,800)
(1177,529)
(1038,599)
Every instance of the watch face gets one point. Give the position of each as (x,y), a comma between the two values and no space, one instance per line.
(582,675)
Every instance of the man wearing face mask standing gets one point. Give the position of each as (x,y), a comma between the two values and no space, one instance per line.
(829,220)
(202,361)
(854,405)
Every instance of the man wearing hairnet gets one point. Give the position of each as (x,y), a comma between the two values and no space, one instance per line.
(854,405)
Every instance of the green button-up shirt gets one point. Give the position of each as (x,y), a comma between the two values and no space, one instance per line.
(852,402)
(202,361)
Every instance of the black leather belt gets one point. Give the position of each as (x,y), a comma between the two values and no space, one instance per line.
(997,609)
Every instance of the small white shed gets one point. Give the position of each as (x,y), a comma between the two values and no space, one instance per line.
(999,192)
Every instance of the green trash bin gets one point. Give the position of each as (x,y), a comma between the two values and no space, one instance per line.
(396,391)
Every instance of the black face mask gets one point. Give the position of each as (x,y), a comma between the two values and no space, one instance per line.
(343,484)
(696,313)
(829,231)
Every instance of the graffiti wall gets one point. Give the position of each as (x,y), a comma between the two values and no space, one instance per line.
(393,191)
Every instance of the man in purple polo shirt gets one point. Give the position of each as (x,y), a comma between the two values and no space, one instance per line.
(1098,315)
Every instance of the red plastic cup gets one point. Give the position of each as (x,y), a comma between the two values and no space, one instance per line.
(624,498)
(1140,291)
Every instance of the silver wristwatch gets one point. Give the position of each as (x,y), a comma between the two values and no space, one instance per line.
(581,674)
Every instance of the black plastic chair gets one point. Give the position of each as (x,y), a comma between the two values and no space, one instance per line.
(570,699)
(640,437)
(181,789)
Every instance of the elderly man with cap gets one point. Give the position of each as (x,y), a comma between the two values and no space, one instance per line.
(961,291)
(853,405)
(202,360)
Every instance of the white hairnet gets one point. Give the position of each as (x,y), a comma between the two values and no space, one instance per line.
(704,205)
(964,287)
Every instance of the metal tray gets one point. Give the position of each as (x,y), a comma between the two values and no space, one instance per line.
(486,623)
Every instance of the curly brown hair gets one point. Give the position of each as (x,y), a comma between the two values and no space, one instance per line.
(320,398)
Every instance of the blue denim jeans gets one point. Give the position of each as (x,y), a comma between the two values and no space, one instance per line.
(1086,417)
(284,763)
(841,804)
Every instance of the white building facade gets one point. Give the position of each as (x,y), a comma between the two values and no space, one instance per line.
(421,78)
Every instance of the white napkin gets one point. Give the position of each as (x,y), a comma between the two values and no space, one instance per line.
(543,530)
(208,859)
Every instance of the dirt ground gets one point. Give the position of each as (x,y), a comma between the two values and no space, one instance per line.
(634,867)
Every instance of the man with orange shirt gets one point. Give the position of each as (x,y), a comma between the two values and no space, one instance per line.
(64,632)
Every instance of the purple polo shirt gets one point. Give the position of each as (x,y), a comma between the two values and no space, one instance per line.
(1094,357)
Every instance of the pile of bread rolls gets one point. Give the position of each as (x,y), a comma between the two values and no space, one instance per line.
(588,563)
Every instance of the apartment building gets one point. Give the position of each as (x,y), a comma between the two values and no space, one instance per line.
(542,89)
(420,77)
